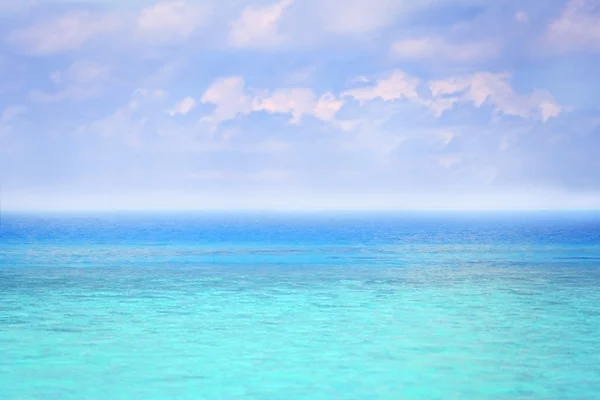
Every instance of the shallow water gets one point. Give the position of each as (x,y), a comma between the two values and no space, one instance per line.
(300,306)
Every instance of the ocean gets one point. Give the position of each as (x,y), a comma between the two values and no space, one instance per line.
(314,305)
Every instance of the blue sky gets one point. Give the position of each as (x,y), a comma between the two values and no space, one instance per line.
(364,104)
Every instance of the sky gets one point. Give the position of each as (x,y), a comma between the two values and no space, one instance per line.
(299,104)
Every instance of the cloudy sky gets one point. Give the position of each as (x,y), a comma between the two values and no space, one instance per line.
(107,104)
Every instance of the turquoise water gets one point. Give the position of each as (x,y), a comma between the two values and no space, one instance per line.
(300,306)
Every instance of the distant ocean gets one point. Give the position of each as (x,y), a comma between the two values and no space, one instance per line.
(300,306)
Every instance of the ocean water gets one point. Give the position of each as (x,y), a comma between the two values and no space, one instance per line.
(300,306)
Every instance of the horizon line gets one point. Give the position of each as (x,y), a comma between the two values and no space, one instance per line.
(291,210)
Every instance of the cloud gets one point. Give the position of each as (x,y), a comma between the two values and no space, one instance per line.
(439,105)
(446,86)
(396,86)
(69,31)
(577,28)
(81,80)
(257,26)
(300,76)
(522,16)
(10,7)
(449,160)
(549,109)
(183,107)
(444,137)
(485,88)
(327,107)
(358,17)
(165,74)
(12,112)
(482,88)
(231,99)
(294,101)
(429,48)
(79,72)
(129,121)
(161,23)
(9,116)
(170,21)
(361,79)
(299,102)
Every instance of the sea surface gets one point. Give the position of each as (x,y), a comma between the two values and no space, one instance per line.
(300,306)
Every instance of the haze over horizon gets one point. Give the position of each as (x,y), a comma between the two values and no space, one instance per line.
(379,104)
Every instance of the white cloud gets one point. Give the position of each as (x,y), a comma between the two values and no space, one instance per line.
(522,16)
(258,26)
(361,79)
(369,135)
(485,88)
(81,72)
(67,32)
(327,107)
(165,74)
(358,17)
(577,28)
(170,21)
(549,109)
(9,116)
(299,102)
(300,76)
(294,101)
(183,107)
(428,48)
(231,99)
(444,137)
(439,105)
(497,90)
(9,7)
(396,86)
(163,22)
(81,80)
(346,125)
(439,90)
(129,121)
(482,88)
(12,112)
(449,160)
(448,86)
(507,141)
